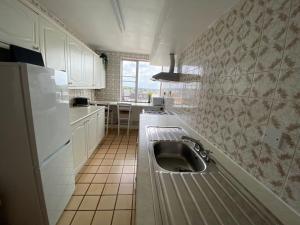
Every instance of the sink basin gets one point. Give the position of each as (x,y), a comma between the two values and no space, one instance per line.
(177,156)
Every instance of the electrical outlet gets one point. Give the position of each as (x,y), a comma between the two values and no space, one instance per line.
(272,137)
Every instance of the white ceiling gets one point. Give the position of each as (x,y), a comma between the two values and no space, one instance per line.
(155,27)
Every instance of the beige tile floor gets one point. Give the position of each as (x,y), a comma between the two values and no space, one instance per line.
(105,186)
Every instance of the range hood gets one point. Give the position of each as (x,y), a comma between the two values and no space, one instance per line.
(168,76)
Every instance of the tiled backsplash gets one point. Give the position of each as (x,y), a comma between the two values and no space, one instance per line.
(246,80)
(113,75)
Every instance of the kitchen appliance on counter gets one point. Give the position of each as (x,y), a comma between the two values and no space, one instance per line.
(157,101)
(36,160)
(80,102)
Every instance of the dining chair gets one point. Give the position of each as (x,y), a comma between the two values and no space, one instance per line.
(124,115)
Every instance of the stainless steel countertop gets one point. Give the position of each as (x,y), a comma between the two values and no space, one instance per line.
(173,198)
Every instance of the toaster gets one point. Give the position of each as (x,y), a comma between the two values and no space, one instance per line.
(80,101)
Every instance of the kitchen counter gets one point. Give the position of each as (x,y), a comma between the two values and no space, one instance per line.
(79,113)
(173,198)
(134,104)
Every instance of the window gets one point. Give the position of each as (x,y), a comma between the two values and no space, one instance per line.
(136,81)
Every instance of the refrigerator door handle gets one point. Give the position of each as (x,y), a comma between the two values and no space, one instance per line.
(59,149)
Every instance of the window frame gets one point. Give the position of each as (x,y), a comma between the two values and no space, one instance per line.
(137,61)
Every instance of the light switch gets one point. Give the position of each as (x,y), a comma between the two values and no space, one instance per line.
(272,137)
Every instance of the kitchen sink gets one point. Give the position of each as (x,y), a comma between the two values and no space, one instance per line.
(177,156)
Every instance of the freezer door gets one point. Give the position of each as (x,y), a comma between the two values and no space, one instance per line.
(48,90)
(58,182)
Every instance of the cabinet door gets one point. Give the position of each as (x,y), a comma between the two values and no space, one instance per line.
(18,25)
(79,145)
(76,78)
(100,125)
(53,45)
(92,134)
(97,72)
(102,75)
(88,68)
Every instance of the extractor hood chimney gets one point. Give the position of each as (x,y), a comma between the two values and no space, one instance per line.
(168,76)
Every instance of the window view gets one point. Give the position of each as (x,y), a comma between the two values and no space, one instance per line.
(136,81)
(129,81)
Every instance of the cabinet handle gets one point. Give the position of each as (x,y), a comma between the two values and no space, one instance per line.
(35,47)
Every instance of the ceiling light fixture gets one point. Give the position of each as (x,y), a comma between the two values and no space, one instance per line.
(118,14)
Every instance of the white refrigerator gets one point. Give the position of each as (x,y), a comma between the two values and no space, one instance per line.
(36,162)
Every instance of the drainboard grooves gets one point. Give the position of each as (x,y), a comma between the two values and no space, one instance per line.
(253,210)
(219,199)
(234,202)
(200,198)
(165,196)
(164,133)
(215,201)
(180,199)
(207,200)
(174,210)
(194,200)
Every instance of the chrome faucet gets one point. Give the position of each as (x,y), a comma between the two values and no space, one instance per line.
(198,147)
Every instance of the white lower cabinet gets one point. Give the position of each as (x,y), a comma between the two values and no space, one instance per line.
(79,144)
(91,134)
(86,135)
(100,125)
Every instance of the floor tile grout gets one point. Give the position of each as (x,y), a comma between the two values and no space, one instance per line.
(110,150)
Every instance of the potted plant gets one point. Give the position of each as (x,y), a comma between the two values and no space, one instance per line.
(149,96)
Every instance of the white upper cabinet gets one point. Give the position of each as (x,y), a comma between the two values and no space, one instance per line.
(18,25)
(81,65)
(53,42)
(103,75)
(97,79)
(21,25)
(88,68)
(99,73)
(76,76)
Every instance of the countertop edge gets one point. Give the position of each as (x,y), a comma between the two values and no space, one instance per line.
(95,109)
(133,104)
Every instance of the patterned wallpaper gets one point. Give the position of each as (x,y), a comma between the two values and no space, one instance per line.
(243,79)
(113,75)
